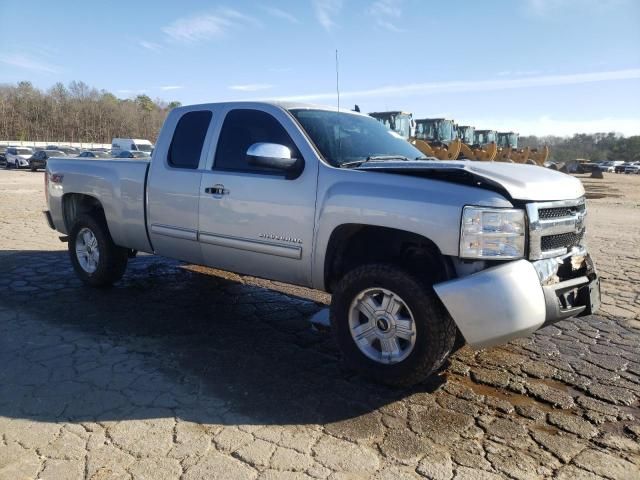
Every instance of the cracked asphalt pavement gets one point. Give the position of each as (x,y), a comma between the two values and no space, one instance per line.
(191,373)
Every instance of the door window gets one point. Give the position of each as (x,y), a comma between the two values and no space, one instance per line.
(240,130)
(188,139)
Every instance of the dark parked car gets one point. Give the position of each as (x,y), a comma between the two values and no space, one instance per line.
(132,154)
(620,168)
(39,159)
(94,154)
(67,150)
(3,158)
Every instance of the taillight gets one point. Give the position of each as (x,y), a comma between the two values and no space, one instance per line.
(55,178)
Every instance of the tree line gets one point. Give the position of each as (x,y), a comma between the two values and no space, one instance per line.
(77,113)
(595,147)
(80,113)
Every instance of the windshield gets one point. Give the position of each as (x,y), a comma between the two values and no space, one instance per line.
(445,131)
(345,137)
(143,147)
(23,151)
(403,125)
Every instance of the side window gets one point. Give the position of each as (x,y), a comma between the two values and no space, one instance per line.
(188,139)
(240,130)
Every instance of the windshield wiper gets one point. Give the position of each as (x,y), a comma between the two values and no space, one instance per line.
(387,157)
(355,163)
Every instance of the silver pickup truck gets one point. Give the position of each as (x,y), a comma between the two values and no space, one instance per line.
(420,255)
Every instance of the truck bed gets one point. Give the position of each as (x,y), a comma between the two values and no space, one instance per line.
(119,184)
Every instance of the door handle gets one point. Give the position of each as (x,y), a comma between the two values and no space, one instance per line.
(217,189)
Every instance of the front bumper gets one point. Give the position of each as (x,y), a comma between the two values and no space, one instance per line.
(507,301)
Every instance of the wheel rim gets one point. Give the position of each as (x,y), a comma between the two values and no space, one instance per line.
(87,251)
(382,325)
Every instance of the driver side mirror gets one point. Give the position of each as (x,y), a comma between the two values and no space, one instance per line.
(275,156)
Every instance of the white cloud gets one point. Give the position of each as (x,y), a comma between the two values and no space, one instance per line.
(171,87)
(278,13)
(251,87)
(154,47)
(27,62)
(326,11)
(476,86)
(205,26)
(386,13)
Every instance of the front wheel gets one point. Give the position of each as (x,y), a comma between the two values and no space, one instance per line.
(97,261)
(390,326)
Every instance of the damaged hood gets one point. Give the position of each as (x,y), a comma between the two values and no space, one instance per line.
(521,182)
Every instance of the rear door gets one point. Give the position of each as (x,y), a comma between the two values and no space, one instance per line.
(254,220)
(173,187)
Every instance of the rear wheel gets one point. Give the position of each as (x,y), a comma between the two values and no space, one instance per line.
(390,326)
(97,261)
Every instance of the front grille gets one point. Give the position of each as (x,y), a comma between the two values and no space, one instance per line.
(562,240)
(559,212)
(555,227)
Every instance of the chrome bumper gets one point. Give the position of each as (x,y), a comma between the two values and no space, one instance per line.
(498,304)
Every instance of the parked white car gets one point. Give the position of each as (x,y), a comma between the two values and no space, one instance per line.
(610,166)
(633,167)
(18,157)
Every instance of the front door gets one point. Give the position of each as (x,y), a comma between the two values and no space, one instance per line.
(254,220)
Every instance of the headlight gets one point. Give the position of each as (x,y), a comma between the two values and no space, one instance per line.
(492,233)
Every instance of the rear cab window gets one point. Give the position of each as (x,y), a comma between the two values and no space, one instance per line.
(188,139)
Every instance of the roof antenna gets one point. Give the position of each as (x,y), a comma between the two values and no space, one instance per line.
(337,80)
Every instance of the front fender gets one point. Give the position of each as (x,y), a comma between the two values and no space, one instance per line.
(426,207)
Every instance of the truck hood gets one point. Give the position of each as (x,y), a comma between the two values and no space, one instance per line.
(521,182)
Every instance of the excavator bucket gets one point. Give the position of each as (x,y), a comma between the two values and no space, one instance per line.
(482,153)
(539,156)
(521,155)
(504,155)
(423,146)
(453,149)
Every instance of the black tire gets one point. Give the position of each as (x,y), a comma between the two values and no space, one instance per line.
(112,261)
(33,168)
(435,329)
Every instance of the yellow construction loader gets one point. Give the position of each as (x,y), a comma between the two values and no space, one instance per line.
(483,148)
(400,122)
(437,137)
(443,139)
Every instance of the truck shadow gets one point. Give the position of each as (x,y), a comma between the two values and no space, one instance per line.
(171,340)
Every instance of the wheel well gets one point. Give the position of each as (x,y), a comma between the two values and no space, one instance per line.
(352,245)
(76,204)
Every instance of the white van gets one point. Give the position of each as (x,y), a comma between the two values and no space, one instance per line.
(130,144)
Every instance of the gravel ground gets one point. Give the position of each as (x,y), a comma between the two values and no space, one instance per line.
(186,372)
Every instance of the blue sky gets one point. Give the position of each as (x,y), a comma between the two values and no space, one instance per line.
(535,66)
